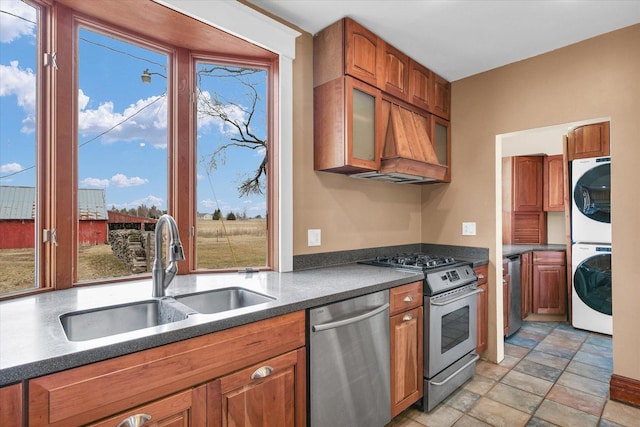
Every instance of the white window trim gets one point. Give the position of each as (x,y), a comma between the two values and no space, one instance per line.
(252,26)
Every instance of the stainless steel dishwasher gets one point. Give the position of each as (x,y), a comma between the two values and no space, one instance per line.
(515,295)
(349,377)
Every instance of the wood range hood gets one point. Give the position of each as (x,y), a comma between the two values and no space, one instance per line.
(408,156)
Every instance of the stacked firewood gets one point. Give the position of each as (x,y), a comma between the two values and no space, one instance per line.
(134,248)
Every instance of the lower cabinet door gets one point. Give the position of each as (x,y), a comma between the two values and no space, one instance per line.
(406,359)
(272,393)
(185,409)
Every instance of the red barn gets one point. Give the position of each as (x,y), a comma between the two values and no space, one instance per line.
(17,213)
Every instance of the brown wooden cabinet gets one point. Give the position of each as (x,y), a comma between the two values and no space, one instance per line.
(588,141)
(441,139)
(11,411)
(353,68)
(262,395)
(395,73)
(523,220)
(483,309)
(420,82)
(441,97)
(527,183)
(406,327)
(174,374)
(347,126)
(526,271)
(549,282)
(553,183)
(184,409)
(347,48)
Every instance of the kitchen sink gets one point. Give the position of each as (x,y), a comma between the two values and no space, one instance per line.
(219,300)
(106,321)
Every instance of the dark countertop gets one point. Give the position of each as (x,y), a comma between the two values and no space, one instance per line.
(33,343)
(508,250)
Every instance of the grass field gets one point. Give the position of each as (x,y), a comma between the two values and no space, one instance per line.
(220,244)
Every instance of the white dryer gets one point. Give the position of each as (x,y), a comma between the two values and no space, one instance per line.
(591,200)
(591,290)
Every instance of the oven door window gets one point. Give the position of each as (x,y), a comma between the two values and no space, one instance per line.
(455,328)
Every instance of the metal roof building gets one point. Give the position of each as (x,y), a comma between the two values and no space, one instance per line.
(20,202)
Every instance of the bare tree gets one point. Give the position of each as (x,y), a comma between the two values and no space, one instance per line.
(218,106)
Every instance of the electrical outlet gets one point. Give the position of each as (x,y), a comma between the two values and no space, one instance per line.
(468,228)
(313,237)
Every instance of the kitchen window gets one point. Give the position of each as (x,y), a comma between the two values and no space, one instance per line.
(78,134)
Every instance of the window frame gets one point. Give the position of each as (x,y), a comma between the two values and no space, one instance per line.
(57,143)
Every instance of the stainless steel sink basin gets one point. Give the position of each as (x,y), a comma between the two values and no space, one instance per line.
(102,322)
(219,300)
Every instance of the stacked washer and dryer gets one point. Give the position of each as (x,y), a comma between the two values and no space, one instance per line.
(591,249)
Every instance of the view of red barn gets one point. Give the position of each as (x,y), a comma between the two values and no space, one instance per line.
(17,212)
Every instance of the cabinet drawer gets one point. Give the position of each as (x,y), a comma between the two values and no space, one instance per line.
(405,297)
(482,272)
(115,385)
(182,409)
(549,257)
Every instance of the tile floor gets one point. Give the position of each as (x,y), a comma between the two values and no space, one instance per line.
(551,375)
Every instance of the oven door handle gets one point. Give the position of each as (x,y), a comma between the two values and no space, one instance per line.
(350,320)
(439,304)
(446,380)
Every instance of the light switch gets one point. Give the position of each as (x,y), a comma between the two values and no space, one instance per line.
(468,228)
(313,237)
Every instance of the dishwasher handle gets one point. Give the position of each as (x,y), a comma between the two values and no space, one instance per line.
(350,320)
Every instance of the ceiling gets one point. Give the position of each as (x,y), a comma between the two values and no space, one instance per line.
(460,38)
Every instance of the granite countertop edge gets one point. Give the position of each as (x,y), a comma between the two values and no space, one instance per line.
(42,337)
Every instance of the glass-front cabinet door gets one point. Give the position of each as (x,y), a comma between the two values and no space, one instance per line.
(364,140)
(441,139)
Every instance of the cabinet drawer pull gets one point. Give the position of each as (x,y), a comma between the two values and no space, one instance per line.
(480,276)
(136,420)
(408,298)
(262,372)
(407,317)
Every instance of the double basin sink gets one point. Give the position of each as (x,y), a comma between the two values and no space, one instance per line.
(116,319)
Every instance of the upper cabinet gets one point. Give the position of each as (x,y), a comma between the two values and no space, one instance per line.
(363,53)
(420,85)
(523,217)
(527,182)
(377,113)
(588,141)
(441,97)
(349,139)
(554,186)
(395,73)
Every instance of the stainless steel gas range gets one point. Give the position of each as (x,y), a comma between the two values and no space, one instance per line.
(450,320)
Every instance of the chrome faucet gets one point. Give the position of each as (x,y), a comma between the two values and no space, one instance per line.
(162,277)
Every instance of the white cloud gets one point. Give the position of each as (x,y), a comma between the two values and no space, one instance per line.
(149,201)
(208,203)
(120,180)
(135,123)
(83,100)
(10,168)
(95,182)
(11,27)
(233,112)
(21,83)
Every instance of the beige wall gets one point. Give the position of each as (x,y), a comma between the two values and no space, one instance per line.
(595,78)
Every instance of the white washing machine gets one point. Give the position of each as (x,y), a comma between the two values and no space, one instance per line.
(591,290)
(591,200)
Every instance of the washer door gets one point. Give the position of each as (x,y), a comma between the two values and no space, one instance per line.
(592,193)
(592,282)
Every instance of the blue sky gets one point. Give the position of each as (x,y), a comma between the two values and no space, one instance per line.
(122,122)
